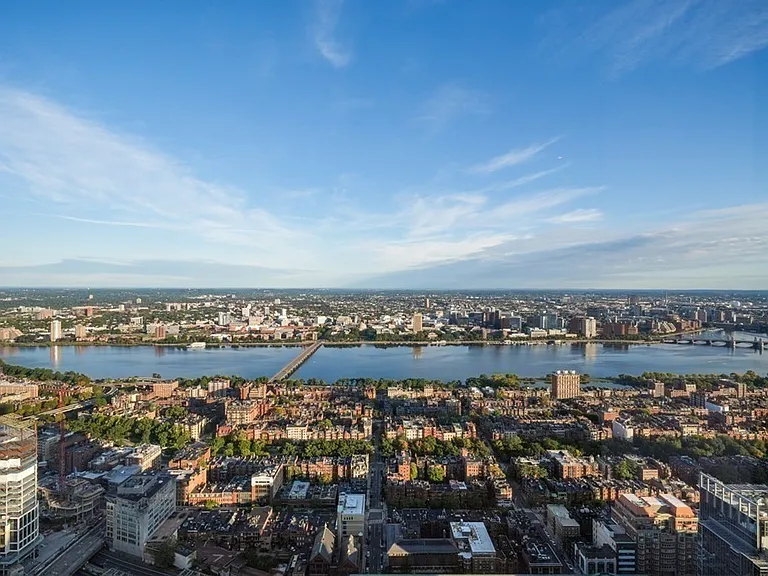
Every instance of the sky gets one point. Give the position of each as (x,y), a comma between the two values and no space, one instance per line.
(400,144)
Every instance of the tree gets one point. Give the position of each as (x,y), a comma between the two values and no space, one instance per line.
(414,471)
(436,474)
(625,470)
(210,504)
(165,554)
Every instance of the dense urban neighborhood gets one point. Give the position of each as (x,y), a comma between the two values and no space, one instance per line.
(647,474)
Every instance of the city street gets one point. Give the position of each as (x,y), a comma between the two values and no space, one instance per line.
(377,513)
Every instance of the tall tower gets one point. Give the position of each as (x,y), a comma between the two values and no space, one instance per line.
(417,322)
(19,512)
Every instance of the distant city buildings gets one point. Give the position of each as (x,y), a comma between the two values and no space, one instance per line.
(55,330)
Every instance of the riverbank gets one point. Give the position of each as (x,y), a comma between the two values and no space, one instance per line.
(390,360)
(354,343)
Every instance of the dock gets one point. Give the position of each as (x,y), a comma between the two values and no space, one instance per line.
(294,364)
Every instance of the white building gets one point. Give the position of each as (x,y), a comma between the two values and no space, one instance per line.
(142,503)
(19,512)
(55,330)
(623,430)
(350,515)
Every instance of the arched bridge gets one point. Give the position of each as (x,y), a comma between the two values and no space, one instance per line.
(756,344)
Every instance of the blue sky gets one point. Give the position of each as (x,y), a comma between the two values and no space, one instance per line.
(411,143)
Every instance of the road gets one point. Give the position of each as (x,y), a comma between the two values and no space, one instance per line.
(75,555)
(377,511)
(125,563)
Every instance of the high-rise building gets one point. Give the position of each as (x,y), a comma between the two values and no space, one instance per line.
(565,384)
(664,529)
(417,322)
(701,315)
(223,319)
(81,332)
(136,510)
(55,330)
(19,512)
(585,326)
(733,528)
(426,303)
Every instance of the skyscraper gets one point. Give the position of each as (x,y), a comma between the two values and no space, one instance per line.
(19,512)
(565,384)
(417,322)
(55,330)
(733,528)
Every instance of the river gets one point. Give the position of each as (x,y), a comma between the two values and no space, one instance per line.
(434,362)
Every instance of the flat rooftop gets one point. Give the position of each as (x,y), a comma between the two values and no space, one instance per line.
(476,534)
(352,503)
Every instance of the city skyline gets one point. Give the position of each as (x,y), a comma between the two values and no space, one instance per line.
(420,144)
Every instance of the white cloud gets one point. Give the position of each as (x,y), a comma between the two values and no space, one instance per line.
(418,253)
(84,171)
(324,33)
(581,215)
(450,102)
(511,158)
(702,33)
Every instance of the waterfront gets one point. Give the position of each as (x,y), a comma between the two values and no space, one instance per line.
(395,362)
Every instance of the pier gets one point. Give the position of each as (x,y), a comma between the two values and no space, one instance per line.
(294,364)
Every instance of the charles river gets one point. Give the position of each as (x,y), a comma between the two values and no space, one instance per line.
(433,362)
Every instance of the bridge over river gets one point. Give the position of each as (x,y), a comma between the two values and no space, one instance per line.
(294,364)
(756,344)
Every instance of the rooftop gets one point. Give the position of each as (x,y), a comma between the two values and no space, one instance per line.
(352,503)
(476,534)
(423,546)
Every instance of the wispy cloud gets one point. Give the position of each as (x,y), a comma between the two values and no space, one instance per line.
(511,158)
(87,172)
(327,13)
(450,102)
(718,249)
(580,215)
(702,34)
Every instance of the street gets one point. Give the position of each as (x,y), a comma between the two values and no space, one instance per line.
(377,513)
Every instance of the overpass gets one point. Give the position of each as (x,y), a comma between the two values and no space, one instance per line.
(294,364)
(74,556)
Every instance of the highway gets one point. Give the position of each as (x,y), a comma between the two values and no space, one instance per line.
(76,555)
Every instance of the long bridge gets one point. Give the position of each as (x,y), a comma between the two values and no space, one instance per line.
(756,344)
(294,364)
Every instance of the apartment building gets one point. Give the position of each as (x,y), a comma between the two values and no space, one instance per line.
(664,529)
